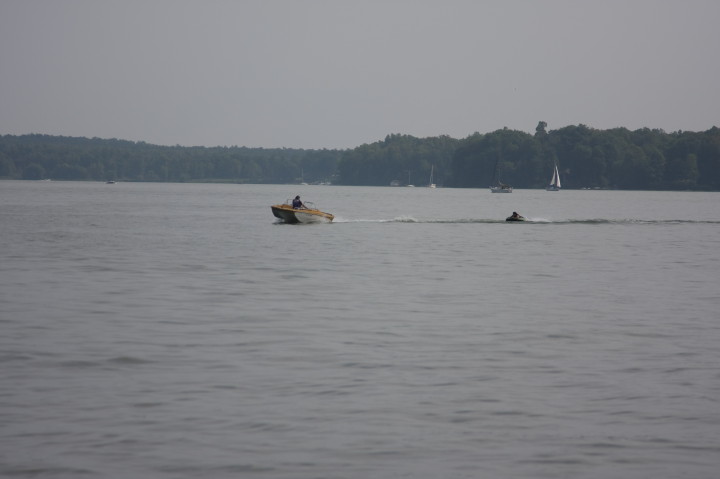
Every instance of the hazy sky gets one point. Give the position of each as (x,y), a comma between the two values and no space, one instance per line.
(337,74)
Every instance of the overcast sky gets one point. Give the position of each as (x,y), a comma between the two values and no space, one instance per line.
(337,73)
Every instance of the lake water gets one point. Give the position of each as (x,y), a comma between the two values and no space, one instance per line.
(178,331)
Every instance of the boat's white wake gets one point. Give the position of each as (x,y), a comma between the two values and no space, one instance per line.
(399,219)
(529,220)
(410,219)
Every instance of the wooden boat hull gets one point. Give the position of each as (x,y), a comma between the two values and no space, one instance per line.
(291,215)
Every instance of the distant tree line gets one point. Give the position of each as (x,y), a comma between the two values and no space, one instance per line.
(400,159)
(36,157)
(587,158)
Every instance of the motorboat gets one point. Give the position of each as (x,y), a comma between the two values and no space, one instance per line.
(307,214)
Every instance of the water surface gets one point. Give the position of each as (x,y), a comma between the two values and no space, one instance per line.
(179,331)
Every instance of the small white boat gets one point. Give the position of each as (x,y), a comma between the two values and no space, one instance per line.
(432,179)
(554,182)
(308,214)
(501,188)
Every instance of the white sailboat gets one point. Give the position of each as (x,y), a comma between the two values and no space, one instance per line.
(432,181)
(554,182)
(498,186)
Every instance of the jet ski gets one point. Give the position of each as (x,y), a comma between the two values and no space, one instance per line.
(515,217)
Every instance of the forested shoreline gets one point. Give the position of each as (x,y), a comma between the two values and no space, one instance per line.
(587,158)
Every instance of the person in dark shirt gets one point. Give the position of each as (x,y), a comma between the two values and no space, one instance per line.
(297,204)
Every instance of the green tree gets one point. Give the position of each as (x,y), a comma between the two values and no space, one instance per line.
(33,172)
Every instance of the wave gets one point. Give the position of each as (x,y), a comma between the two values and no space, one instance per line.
(102,363)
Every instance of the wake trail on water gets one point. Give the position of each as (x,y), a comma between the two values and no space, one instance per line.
(531,221)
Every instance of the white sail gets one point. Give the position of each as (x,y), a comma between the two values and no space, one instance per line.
(555,181)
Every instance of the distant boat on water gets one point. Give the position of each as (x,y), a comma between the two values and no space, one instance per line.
(497,185)
(501,188)
(554,182)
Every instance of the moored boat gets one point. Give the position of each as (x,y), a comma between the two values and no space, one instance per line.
(306,214)
(497,185)
(501,188)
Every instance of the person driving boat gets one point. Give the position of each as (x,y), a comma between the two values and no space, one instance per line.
(297,204)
